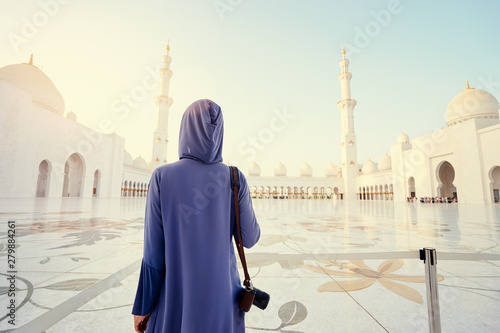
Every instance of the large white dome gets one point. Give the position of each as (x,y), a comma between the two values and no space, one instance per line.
(306,170)
(280,170)
(140,163)
(385,163)
(331,170)
(32,80)
(369,167)
(472,103)
(254,169)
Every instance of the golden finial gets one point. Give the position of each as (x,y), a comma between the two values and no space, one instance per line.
(168,45)
(31,59)
(343,49)
(468,87)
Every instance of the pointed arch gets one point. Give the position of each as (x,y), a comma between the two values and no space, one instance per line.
(411,187)
(495,184)
(74,173)
(97,183)
(445,174)
(43,181)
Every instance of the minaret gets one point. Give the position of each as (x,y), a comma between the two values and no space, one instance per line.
(348,138)
(163,102)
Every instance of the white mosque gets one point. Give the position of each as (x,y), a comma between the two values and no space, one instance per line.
(47,153)
(61,157)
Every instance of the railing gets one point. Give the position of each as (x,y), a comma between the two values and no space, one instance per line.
(428,255)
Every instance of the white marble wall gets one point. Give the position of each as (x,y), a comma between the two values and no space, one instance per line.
(31,134)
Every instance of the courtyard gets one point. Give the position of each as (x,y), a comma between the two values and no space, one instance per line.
(329,265)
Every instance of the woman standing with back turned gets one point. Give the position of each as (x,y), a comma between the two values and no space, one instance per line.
(189,280)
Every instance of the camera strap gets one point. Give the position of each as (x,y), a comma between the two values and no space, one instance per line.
(235,186)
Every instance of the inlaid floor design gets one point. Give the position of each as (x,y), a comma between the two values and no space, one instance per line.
(77,265)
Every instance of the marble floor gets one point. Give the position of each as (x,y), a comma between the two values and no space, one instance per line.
(330,266)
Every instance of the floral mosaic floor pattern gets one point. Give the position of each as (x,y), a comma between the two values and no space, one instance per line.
(67,247)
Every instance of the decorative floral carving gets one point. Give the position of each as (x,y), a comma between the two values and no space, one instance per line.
(384,275)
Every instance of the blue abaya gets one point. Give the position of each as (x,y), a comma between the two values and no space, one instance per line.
(189,279)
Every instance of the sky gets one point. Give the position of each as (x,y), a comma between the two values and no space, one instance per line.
(272,66)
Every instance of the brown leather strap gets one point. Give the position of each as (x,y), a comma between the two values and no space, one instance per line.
(239,240)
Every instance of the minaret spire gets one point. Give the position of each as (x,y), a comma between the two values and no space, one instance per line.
(348,137)
(163,102)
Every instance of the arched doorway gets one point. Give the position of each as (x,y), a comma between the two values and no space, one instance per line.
(74,170)
(445,176)
(315,193)
(42,184)
(495,183)
(309,193)
(253,192)
(411,187)
(97,183)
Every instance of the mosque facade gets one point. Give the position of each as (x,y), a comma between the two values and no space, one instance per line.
(459,162)
(48,153)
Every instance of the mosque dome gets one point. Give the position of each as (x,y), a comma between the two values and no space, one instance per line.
(35,82)
(306,170)
(385,163)
(140,163)
(403,138)
(472,103)
(127,159)
(254,169)
(280,170)
(71,116)
(331,170)
(369,167)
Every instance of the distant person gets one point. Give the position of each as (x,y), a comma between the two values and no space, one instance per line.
(189,280)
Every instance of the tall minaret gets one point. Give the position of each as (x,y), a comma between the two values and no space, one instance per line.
(348,138)
(163,102)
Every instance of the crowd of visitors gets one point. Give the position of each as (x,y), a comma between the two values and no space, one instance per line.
(432,199)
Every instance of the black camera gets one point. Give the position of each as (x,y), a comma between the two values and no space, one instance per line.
(257,297)
(261,299)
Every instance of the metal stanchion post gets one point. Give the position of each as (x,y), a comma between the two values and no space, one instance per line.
(428,255)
